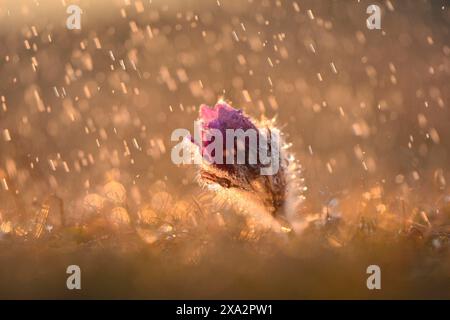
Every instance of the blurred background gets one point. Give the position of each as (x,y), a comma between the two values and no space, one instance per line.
(86,117)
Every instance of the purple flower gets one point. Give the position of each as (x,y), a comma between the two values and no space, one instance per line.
(243,176)
(222,117)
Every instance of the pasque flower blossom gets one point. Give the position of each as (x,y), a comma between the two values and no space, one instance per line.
(243,178)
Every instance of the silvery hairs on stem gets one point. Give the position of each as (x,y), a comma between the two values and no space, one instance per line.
(250,166)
